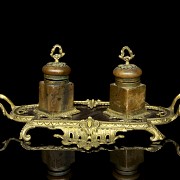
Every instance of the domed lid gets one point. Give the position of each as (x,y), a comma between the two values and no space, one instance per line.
(56,68)
(127,70)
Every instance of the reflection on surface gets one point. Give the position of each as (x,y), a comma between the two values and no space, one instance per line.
(21,158)
(155,146)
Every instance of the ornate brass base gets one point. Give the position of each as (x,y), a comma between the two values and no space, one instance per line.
(91,132)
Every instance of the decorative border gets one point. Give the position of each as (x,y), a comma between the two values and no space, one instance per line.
(90,133)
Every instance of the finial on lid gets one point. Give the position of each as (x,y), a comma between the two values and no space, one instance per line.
(56,70)
(127,72)
(126,58)
(57,56)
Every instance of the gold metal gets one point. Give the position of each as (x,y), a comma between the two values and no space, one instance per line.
(91,133)
(126,58)
(5,113)
(57,56)
(92,103)
(64,114)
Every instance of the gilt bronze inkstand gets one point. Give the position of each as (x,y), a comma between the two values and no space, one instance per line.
(90,125)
